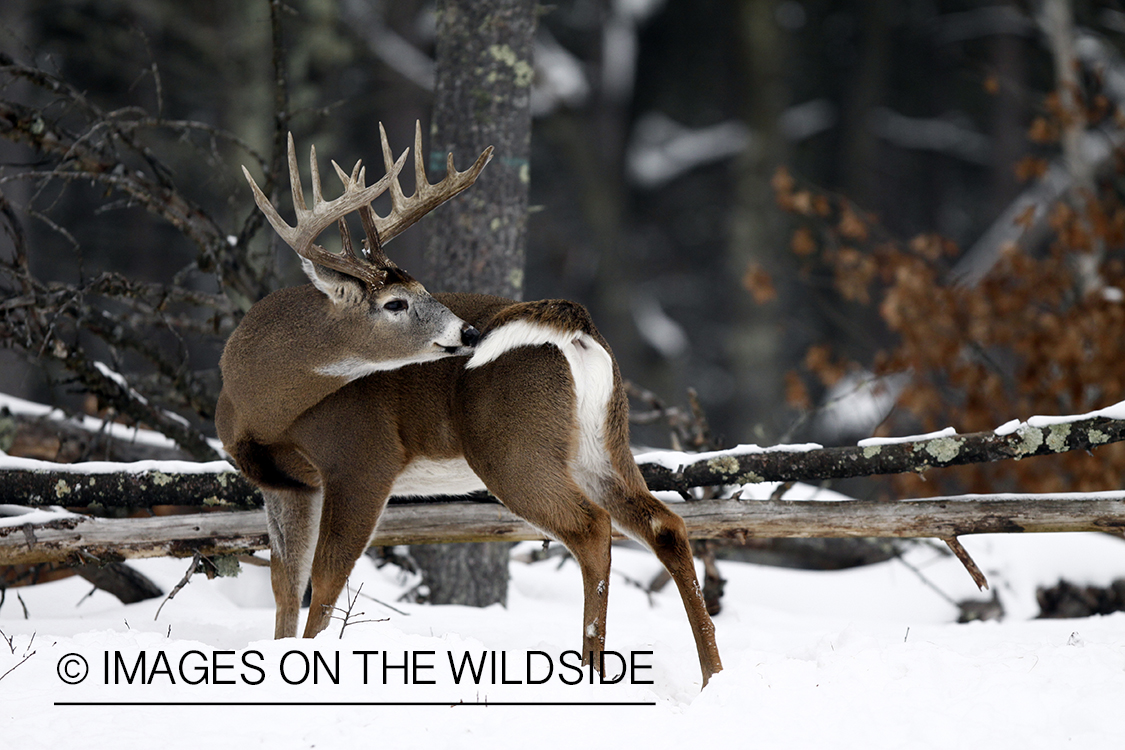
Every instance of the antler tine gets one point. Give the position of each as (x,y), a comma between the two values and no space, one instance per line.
(419,162)
(314,170)
(398,199)
(374,246)
(345,238)
(406,211)
(295,177)
(344,178)
(379,230)
(264,205)
(374,256)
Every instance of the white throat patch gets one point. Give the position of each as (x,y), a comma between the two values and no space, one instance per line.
(353,368)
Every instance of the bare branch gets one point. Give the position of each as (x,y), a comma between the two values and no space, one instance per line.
(735,467)
(781,465)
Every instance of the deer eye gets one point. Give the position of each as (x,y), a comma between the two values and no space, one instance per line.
(396,305)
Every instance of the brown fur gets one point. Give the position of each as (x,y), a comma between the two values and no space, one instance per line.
(513,421)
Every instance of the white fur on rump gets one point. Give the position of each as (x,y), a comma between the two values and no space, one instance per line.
(591,368)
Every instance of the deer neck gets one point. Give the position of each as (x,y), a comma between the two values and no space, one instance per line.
(274,373)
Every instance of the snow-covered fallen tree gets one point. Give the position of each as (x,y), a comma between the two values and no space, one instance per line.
(98,486)
(144,484)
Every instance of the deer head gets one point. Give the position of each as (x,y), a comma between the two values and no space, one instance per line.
(382,318)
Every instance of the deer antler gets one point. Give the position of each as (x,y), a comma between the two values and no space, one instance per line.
(312,221)
(406,211)
(370,269)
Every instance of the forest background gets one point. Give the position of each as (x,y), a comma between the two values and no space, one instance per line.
(826,218)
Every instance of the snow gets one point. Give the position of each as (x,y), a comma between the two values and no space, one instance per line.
(857,403)
(560,79)
(661,149)
(15,463)
(658,328)
(1114,411)
(862,658)
(93,424)
(19,515)
(1008,427)
(675,460)
(870,442)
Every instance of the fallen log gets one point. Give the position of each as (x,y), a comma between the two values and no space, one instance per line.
(86,539)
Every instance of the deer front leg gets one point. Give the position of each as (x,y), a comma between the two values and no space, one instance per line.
(347,523)
(293,518)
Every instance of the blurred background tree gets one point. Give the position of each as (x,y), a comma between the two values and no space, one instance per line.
(659,129)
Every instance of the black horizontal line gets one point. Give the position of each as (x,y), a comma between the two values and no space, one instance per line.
(448,704)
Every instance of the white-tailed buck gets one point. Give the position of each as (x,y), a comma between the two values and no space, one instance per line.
(361,385)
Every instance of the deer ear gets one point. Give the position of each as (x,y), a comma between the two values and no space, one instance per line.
(339,287)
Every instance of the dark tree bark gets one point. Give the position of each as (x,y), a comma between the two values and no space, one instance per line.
(758,332)
(476,242)
(119,579)
(482,98)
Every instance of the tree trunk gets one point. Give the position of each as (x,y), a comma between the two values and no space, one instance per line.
(476,242)
(482,98)
(757,234)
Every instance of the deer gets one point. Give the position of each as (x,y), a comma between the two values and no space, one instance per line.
(361,385)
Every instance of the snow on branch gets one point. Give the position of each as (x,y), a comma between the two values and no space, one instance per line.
(1039,436)
(143,484)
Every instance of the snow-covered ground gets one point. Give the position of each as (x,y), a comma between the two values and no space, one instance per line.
(865,658)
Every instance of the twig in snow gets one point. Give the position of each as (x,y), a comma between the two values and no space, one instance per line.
(346,619)
(183,582)
(922,577)
(637,584)
(11,641)
(91,592)
(963,555)
(382,603)
(21,661)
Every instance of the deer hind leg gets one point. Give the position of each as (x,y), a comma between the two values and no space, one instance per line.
(645,518)
(584,529)
(293,519)
(549,500)
(347,523)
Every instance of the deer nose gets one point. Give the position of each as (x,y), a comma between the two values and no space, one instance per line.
(470,336)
